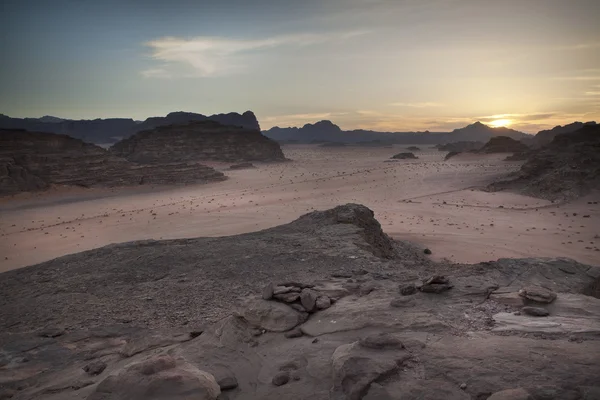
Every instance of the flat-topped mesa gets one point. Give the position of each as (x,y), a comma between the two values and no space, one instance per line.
(198,141)
(504,144)
(33,161)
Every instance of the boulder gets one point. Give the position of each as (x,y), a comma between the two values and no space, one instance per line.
(287,297)
(158,378)
(267,293)
(537,294)
(404,156)
(271,316)
(281,378)
(323,302)
(407,290)
(308,299)
(95,367)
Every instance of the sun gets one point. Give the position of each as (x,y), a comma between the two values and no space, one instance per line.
(500,122)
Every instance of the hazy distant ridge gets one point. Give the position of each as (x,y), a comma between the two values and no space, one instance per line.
(326,131)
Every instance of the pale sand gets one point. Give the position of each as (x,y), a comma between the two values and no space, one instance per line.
(39,227)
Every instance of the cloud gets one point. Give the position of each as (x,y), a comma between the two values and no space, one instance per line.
(418,105)
(517,117)
(156,73)
(217,56)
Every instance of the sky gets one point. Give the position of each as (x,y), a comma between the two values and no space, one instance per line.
(394,65)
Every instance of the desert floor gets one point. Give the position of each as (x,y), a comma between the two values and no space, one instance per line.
(427,201)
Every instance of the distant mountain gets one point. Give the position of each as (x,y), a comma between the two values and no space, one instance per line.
(326,131)
(543,138)
(108,131)
(482,132)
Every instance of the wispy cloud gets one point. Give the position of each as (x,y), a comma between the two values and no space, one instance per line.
(426,104)
(217,56)
(156,73)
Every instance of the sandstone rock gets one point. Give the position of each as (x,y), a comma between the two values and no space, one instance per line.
(294,333)
(32,161)
(535,311)
(281,378)
(158,378)
(538,294)
(308,299)
(95,367)
(323,302)
(510,394)
(282,289)
(198,141)
(267,293)
(271,316)
(298,307)
(381,341)
(407,290)
(367,288)
(436,279)
(227,382)
(289,297)
(436,284)
(355,367)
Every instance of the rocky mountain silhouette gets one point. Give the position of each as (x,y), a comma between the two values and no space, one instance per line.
(111,130)
(542,138)
(327,131)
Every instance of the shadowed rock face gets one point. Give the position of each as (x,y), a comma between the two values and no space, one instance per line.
(404,156)
(196,141)
(566,168)
(32,161)
(545,137)
(503,144)
(460,147)
(161,319)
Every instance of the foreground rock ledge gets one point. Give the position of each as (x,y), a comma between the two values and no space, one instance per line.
(156,320)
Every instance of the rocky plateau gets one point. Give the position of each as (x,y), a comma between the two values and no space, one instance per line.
(326,307)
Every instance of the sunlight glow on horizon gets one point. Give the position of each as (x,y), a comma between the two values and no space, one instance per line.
(501,123)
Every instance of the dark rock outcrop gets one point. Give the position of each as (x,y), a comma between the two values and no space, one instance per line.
(451,154)
(461,146)
(566,168)
(32,161)
(545,137)
(197,141)
(503,144)
(404,156)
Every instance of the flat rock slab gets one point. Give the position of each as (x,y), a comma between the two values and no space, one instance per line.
(349,314)
(569,314)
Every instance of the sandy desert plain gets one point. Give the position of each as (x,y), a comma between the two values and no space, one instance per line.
(433,203)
